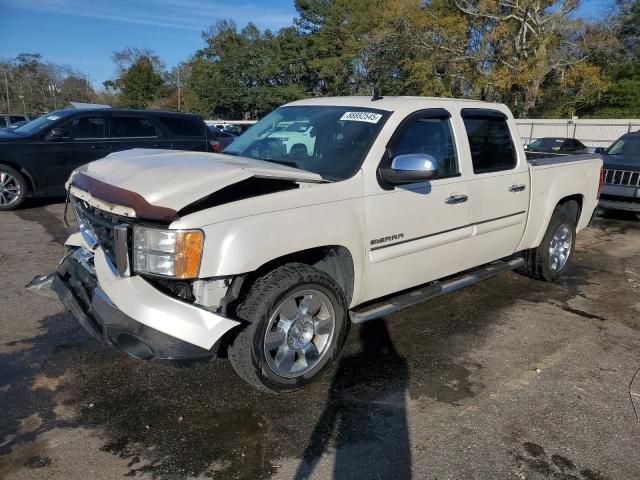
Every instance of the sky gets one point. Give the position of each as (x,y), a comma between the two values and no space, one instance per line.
(84,33)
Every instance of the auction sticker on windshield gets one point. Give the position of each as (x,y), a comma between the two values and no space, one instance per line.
(369,117)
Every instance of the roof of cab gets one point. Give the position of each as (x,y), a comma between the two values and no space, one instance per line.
(396,104)
(72,111)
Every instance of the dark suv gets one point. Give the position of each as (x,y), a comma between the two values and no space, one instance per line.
(37,158)
(621,188)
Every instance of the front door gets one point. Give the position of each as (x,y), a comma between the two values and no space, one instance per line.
(500,185)
(84,141)
(419,232)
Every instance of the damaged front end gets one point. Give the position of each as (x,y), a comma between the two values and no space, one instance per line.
(146,317)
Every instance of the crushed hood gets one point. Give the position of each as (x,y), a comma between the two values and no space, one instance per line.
(171,180)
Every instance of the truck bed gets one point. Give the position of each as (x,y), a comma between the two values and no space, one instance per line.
(557,177)
(538,159)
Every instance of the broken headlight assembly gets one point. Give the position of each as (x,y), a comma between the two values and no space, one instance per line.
(167,253)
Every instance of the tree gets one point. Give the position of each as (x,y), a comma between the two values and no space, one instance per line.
(620,63)
(32,86)
(139,84)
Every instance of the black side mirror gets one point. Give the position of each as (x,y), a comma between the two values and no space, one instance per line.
(57,134)
(600,150)
(411,168)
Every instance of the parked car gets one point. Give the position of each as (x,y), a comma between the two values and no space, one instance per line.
(235,128)
(37,157)
(13,126)
(400,200)
(8,119)
(298,137)
(621,189)
(556,145)
(219,139)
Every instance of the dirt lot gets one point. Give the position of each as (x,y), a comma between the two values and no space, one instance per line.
(511,378)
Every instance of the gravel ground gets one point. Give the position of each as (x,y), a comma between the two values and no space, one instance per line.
(511,378)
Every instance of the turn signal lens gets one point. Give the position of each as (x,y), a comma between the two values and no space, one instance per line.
(188,253)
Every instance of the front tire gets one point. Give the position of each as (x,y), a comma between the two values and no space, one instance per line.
(552,256)
(295,325)
(13,188)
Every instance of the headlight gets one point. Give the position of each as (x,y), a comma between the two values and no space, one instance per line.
(170,253)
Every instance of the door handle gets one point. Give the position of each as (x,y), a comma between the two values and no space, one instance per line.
(453,199)
(517,187)
(98,147)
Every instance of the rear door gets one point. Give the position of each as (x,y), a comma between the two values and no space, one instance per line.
(135,130)
(500,186)
(186,133)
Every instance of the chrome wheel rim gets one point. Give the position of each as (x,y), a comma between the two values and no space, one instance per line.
(299,333)
(560,248)
(9,189)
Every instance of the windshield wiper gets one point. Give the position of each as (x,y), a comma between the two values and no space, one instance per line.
(285,163)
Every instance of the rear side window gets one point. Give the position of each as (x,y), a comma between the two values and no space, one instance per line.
(127,127)
(85,127)
(16,118)
(182,127)
(490,140)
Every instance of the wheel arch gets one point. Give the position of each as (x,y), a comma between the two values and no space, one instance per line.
(335,260)
(31,184)
(572,204)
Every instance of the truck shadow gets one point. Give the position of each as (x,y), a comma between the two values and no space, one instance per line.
(377,420)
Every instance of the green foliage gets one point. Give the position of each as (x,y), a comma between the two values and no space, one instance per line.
(139,84)
(621,100)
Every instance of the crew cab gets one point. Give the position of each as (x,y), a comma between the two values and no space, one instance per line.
(396,201)
(37,158)
(621,189)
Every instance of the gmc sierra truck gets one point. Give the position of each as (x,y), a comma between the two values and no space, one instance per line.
(272,251)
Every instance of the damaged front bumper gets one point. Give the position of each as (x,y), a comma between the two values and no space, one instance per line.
(131,315)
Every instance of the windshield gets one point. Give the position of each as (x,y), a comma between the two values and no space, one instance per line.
(327,140)
(39,123)
(547,143)
(626,146)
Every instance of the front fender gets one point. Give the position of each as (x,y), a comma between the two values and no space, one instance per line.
(244,245)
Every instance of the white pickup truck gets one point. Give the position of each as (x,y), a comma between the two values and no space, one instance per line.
(272,252)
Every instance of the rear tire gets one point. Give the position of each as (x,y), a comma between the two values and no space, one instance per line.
(13,188)
(295,325)
(552,256)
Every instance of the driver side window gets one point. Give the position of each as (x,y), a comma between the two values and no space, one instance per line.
(85,127)
(430,136)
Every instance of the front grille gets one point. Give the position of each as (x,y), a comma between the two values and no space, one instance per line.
(623,178)
(98,226)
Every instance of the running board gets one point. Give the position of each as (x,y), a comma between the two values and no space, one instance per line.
(426,292)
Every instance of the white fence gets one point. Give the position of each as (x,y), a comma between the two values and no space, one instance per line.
(593,133)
